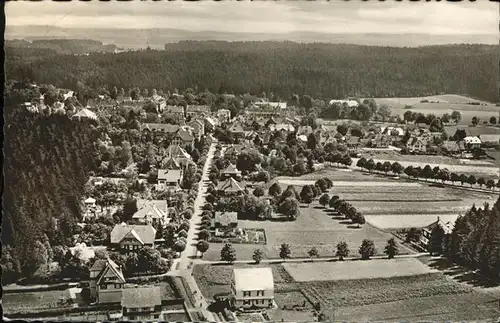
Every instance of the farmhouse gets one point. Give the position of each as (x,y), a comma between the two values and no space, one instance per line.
(141,303)
(472,142)
(252,288)
(106,281)
(224,223)
(349,103)
(426,232)
(132,237)
(282,127)
(159,130)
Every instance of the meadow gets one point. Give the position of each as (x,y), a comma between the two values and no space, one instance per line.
(442,104)
(29,301)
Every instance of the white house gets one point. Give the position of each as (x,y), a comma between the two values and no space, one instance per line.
(472,142)
(252,288)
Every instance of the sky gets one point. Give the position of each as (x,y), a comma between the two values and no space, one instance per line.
(336,16)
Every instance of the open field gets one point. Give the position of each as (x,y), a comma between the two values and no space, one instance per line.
(421,207)
(489,172)
(346,270)
(458,307)
(473,131)
(403,221)
(345,175)
(447,104)
(17,302)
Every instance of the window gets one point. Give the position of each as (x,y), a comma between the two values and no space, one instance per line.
(156,316)
(246,294)
(260,293)
(104,286)
(246,302)
(118,286)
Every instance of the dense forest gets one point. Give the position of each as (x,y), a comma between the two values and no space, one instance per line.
(322,71)
(475,240)
(47,162)
(63,46)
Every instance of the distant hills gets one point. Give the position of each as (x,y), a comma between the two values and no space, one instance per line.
(63,46)
(157,37)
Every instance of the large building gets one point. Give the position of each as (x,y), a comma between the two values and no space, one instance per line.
(141,303)
(252,288)
(132,237)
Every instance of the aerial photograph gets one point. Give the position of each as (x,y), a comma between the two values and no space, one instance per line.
(251,161)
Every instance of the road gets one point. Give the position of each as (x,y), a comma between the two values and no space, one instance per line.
(182,266)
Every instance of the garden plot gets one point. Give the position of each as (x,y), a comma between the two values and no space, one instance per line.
(340,293)
(19,302)
(347,270)
(404,221)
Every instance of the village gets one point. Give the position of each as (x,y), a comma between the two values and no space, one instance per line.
(196,214)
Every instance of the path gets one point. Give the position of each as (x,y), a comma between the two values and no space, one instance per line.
(182,265)
(322,259)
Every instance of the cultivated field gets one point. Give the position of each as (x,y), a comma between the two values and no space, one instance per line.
(447,104)
(347,270)
(472,306)
(389,204)
(431,296)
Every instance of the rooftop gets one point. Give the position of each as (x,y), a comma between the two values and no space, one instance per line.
(226,218)
(140,297)
(144,233)
(248,279)
(170,175)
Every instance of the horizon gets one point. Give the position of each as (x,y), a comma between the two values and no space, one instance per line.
(440,22)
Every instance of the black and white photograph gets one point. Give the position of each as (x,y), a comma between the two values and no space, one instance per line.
(251,161)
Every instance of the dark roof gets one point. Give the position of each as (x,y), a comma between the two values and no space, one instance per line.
(148,296)
(236,127)
(231,169)
(185,135)
(231,186)
(174,109)
(109,269)
(143,233)
(198,108)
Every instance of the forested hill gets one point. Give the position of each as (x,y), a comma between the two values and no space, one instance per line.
(321,70)
(47,163)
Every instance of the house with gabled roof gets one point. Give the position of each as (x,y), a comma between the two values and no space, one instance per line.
(198,127)
(85,114)
(231,171)
(184,137)
(159,130)
(224,115)
(169,179)
(176,112)
(427,231)
(197,110)
(252,288)
(282,127)
(151,212)
(132,237)
(236,130)
(231,187)
(142,303)
(106,281)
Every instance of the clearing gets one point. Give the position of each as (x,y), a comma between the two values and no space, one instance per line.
(19,302)
(359,269)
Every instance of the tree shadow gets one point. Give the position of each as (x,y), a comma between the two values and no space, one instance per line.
(345,221)
(338,217)
(318,207)
(353,227)
(462,274)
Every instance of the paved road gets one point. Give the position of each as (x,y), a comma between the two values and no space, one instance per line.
(182,266)
(323,259)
